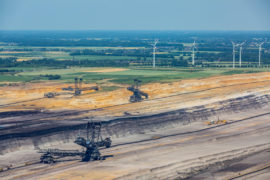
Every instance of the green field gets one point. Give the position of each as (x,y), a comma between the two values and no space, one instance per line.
(27,53)
(125,76)
(37,73)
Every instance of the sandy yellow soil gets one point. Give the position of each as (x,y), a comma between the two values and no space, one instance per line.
(192,148)
(222,86)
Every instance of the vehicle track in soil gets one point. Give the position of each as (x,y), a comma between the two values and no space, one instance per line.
(168,136)
(29,121)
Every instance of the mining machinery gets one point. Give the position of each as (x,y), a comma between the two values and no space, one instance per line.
(50,94)
(54,94)
(49,155)
(91,145)
(137,94)
(77,89)
(217,122)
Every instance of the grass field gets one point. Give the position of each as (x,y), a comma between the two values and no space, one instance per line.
(27,53)
(117,75)
(99,75)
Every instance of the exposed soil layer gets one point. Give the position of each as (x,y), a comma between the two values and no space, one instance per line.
(161,125)
(16,113)
(35,132)
(31,94)
(170,157)
(254,167)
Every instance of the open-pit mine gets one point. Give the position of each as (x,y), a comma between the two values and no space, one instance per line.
(210,128)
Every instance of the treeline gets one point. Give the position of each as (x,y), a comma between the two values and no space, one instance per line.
(92,63)
(110,52)
(121,52)
(247,55)
(51,76)
(35,49)
(176,36)
(8,62)
(214,46)
(55,43)
(82,42)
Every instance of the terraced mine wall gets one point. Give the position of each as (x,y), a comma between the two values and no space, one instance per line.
(45,136)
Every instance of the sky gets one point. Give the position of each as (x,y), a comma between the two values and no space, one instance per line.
(135,15)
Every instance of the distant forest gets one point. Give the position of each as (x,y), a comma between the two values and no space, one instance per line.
(174,47)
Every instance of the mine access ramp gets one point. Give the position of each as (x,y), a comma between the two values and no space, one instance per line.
(91,144)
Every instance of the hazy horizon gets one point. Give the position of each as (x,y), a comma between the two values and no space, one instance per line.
(130,30)
(127,15)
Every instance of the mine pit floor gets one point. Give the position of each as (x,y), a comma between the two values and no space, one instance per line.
(130,160)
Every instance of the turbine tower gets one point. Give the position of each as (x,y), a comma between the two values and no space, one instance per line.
(260,50)
(240,53)
(193,52)
(154,53)
(234,45)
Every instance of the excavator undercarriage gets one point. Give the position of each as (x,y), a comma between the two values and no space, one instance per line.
(91,145)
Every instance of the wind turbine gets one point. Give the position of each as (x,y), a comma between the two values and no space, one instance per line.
(234,45)
(193,52)
(240,53)
(154,53)
(260,50)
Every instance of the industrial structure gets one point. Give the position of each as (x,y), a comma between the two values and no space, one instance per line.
(234,45)
(91,145)
(137,94)
(260,50)
(193,52)
(240,53)
(240,45)
(77,89)
(154,53)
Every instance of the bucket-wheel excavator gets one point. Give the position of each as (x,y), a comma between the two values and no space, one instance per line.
(138,95)
(78,89)
(91,145)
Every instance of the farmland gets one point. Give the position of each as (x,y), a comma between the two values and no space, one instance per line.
(99,49)
(116,75)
